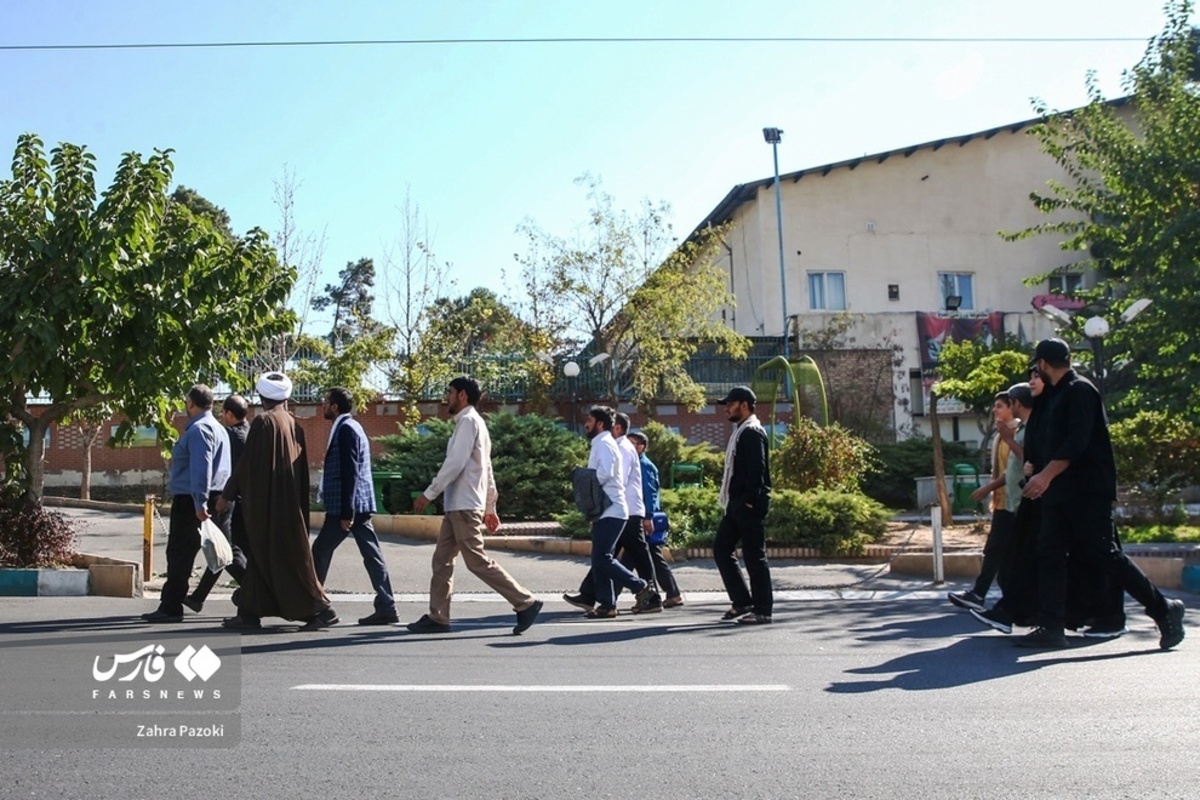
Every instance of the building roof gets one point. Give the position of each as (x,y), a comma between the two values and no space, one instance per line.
(744,192)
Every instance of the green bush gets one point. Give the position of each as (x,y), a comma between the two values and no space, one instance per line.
(665,449)
(1157,455)
(892,481)
(694,513)
(816,457)
(836,523)
(532,459)
(1159,534)
(574,524)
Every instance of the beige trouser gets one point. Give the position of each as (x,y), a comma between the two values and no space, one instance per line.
(462,531)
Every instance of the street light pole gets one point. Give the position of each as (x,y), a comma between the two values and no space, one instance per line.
(1095,329)
(571,370)
(773,136)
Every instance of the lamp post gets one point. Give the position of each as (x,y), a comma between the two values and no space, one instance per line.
(571,370)
(1096,327)
(773,136)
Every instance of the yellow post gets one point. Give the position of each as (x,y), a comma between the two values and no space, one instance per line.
(148,538)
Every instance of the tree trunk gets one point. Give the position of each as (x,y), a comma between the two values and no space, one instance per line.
(35,463)
(939,463)
(90,434)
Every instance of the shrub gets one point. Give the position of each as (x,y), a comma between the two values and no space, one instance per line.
(31,536)
(892,480)
(532,459)
(836,523)
(694,513)
(574,524)
(1157,455)
(666,449)
(816,457)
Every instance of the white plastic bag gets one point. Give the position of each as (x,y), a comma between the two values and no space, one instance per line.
(217,551)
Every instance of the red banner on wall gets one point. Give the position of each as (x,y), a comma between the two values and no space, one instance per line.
(934,330)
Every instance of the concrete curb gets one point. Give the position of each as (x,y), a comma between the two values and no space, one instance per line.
(67,582)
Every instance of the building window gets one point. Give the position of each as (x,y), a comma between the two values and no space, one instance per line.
(827,291)
(960,285)
(916,387)
(1067,283)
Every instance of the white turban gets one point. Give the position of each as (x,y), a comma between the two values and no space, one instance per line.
(274,386)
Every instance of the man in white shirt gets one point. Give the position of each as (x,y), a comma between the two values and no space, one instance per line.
(606,459)
(469,504)
(632,543)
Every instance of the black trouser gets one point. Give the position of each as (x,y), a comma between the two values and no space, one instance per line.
(183,543)
(743,525)
(634,551)
(663,575)
(1085,530)
(239,543)
(996,549)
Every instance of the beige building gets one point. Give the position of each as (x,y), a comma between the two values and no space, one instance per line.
(898,239)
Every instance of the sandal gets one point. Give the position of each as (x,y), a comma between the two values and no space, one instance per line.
(602,613)
(755,619)
(734,612)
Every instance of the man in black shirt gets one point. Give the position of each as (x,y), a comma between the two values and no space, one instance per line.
(1077,484)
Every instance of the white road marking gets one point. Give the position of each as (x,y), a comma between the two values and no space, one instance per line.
(677,688)
(697,598)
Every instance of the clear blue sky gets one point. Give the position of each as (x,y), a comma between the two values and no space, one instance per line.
(487,135)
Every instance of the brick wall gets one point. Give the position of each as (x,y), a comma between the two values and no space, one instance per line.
(144,465)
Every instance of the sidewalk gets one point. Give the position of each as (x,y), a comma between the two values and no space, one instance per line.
(118,534)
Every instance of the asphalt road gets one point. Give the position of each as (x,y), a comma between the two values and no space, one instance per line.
(894,695)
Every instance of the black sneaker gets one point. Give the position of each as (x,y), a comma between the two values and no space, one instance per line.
(1171,625)
(526,617)
(427,624)
(1044,638)
(193,603)
(996,618)
(579,601)
(380,618)
(968,600)
(161,617)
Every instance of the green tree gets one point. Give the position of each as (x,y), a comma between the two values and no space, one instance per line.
(201,206)
(1157,455)
(414,278)
(626,286)
(1132,203)
(126,300)
(356,344)
(973,373)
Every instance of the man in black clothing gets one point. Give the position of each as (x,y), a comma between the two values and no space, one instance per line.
(233,417)
(746,498)
(1078,488)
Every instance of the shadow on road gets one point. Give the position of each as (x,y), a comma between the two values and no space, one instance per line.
(972,660)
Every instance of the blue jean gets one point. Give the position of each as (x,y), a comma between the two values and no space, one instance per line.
(363,531)
(605,568)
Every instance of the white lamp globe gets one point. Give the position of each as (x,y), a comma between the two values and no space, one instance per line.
(1095,328)
(570,369)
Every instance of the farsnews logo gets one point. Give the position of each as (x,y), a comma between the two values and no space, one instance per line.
(149,663)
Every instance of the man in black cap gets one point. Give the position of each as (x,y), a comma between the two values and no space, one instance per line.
(1077,484)
(746,497)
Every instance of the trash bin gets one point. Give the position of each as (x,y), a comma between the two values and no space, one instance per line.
(380,479)
(684,473)
(966,481)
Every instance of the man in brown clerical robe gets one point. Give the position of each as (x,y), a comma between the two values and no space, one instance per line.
(271,482)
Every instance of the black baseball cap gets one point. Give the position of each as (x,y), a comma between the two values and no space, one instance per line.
(1054,350)
(739,394)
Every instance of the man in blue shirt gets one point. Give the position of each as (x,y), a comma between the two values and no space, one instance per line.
(652,499)
(199,469)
